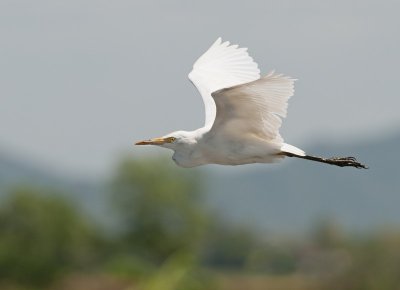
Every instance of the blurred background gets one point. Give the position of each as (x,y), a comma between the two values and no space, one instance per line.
(81,208)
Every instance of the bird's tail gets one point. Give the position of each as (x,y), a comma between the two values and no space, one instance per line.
(287,148)
(292,151)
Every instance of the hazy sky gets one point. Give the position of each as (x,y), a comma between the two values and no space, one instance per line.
(81,80)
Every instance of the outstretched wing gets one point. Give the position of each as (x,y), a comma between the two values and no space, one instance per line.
(253,108)
(221,66)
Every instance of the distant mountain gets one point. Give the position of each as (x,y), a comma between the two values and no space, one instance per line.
(291,196)
(286,197)
(15,173)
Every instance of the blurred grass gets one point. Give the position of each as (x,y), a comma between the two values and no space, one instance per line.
(262,282)
(166,238)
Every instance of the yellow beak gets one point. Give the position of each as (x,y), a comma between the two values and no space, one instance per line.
(155,141)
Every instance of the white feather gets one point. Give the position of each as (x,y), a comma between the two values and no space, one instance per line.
(221,66)
(254,108)
(292,149)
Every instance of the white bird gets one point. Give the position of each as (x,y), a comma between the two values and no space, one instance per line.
(243,114)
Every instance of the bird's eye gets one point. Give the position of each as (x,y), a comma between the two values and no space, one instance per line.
(172,139)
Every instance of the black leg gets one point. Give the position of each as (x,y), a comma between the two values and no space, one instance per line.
(338,161)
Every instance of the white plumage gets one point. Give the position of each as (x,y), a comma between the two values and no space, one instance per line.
(243,114)
(221,66)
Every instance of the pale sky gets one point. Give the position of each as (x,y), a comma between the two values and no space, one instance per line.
(80,81)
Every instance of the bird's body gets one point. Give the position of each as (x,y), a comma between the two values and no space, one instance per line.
(243,114)
(203,147)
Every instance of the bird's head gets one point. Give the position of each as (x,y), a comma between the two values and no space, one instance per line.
(171,141)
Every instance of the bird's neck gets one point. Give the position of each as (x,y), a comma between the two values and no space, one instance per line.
(189,154)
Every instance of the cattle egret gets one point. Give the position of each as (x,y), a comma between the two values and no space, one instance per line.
(243,114)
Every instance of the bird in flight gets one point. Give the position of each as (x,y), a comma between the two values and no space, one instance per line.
(243,114)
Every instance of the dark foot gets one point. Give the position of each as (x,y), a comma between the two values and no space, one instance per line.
(345,161)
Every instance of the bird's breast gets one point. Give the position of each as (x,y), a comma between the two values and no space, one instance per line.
(187,159)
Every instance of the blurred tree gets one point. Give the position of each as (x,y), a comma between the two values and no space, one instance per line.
(375,263)
(41,235)
(159,208)
(180,272)
(326,233)
(273,259)
(229,246)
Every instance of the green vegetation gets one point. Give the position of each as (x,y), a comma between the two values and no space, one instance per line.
(42,237)
(159,208)
(166,238)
